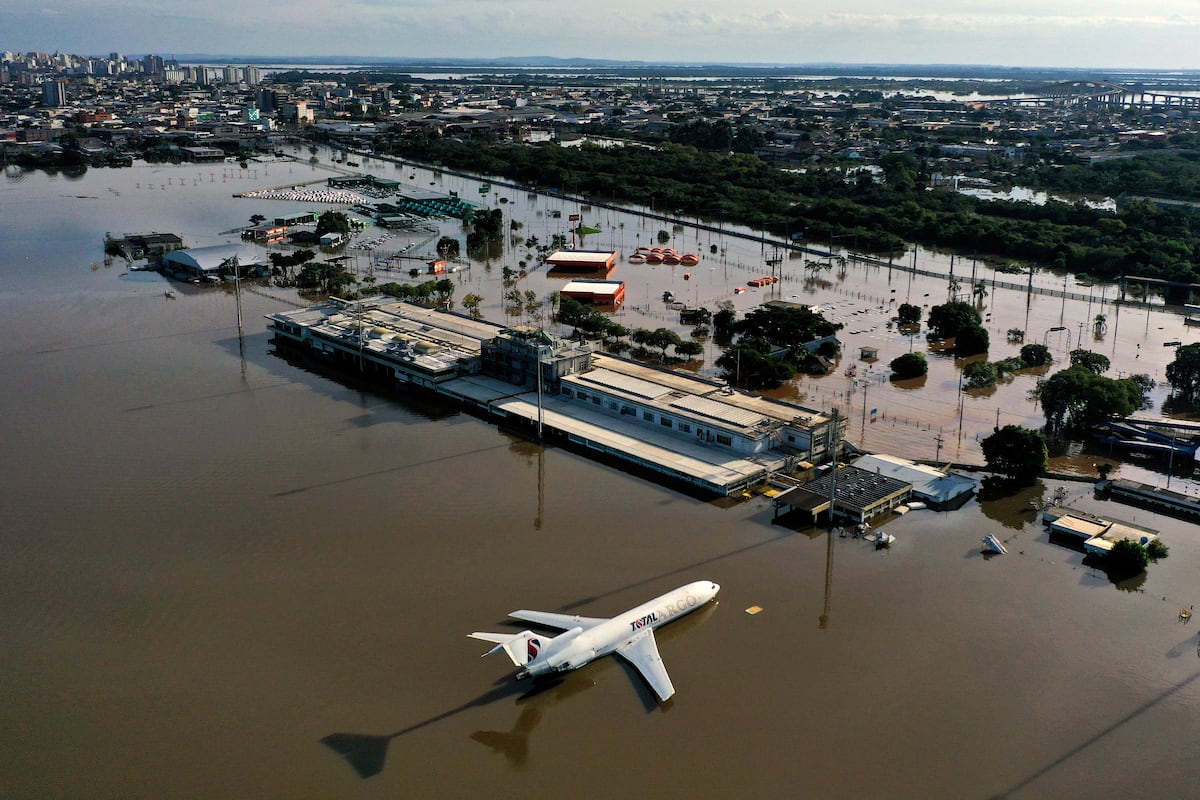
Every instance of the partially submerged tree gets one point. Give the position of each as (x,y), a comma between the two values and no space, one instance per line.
(909,365)
(908,314)
(1036,355)
(1093,362)
(979,375)
(1018,453)
(1077,397)
(1184,372)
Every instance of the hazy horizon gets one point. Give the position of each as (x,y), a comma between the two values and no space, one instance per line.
(1020,34)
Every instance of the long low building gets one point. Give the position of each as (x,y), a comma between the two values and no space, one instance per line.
(686,428)
(595,292)
(210,262)
(583,262)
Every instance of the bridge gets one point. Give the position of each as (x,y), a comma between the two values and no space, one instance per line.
(1102,94)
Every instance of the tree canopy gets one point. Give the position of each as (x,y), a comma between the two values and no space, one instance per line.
(333,222)
(748,364)
(1077,397)
(1036,355)
(908,314)
(946,320)
(785,326)
(1095,363)
(909,365)
(1184,372)
(979,375)
(1018,453)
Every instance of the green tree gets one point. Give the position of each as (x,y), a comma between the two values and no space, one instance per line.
(1076,397)
(1092,362)
(971,340)
(909,314)
(472,302)
(689,349)
(1018,453)
(1036,355)
(1184,372)
(789,327)
(444,291)
(979,291)
(571,311)
(1126,559)
(663,338)
(947,319)
(748,364)
(448,247)
(333,222)
(979,375)
(723,322)
(909,365)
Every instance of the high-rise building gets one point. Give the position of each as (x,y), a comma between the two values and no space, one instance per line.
(54,93)
(268,100)
(253,77)
(152,65)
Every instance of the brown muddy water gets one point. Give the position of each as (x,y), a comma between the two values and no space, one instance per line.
(224,576)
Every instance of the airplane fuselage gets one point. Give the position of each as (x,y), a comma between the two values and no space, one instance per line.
(577,646)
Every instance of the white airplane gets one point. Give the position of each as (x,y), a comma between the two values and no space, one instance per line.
(630,635)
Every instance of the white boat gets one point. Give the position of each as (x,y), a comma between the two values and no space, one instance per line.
(915,505)
(994,545)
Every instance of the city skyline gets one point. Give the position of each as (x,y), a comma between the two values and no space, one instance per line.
(1053,33)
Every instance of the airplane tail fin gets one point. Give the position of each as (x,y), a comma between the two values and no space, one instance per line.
(522,647)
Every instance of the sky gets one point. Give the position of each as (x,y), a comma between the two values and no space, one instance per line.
(1019,33)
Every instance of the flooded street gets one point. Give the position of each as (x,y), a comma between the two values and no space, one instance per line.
(225,576)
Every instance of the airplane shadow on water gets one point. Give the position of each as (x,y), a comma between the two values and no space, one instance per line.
(367,753)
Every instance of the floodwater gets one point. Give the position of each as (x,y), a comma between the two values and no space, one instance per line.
(225,576)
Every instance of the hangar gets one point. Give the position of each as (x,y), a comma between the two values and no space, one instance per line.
(209,262)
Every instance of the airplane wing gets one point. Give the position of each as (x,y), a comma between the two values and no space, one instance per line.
(642,652)
(562,621)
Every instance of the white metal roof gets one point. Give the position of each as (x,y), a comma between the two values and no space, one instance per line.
(581,256)
(714,409)
(625,383)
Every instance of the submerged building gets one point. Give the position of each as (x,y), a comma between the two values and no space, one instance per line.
(689,429)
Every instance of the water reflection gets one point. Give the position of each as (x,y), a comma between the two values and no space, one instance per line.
(367,753)
(513,744)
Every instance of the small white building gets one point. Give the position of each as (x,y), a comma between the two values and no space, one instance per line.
(930,484)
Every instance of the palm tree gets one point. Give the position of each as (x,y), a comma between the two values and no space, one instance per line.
(980,291)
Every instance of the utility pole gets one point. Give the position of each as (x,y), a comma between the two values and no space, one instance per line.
(837,441)
(539,392)
(938,456)
(237,290)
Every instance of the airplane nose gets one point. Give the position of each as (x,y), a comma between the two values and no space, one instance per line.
(716,587)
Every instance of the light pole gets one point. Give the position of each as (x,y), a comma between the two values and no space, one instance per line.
(1056,329)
